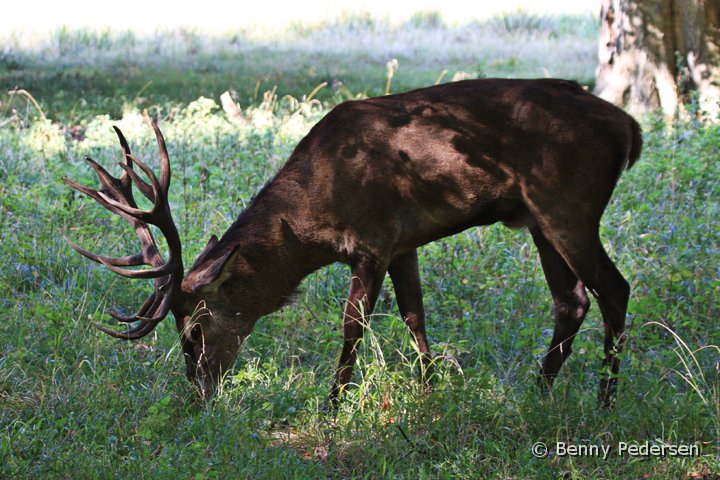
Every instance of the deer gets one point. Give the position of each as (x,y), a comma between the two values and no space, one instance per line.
(373,181)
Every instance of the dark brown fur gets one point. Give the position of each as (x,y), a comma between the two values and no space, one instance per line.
(377,178)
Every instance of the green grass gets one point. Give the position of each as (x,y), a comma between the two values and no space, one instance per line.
(77,404)
(79,74)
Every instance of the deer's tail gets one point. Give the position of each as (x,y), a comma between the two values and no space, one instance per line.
(636,145)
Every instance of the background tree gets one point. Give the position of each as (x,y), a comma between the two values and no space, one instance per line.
(656,53)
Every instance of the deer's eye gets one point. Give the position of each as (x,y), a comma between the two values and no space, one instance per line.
(196,333)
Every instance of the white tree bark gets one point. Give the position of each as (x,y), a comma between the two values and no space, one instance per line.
(656,53)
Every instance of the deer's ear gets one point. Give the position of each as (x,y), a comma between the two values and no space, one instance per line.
(213,267)
(206,251)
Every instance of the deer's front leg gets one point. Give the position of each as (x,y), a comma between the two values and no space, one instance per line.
(405,276)
(367,278)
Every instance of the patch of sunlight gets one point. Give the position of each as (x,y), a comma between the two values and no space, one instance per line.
(218,15)
(202,121)
(44,137)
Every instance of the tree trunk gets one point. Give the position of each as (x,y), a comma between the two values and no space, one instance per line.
(660,53)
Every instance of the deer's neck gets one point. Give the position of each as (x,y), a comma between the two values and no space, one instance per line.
(274,258)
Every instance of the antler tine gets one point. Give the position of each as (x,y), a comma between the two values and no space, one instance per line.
(155,272)
(95,194)
(82,188)
(158,196)
(126,153)
(118,189)
(146,306)
(164,159)
(128,159)
(127,166)
(127,261)
(145,188)
(138,213)
(146,324)
(134,334)
(102,199)
(107,180)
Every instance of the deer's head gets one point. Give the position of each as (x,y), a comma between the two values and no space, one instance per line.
(211,324)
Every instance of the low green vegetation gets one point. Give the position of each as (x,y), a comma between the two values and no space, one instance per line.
(77,404)
(80,74)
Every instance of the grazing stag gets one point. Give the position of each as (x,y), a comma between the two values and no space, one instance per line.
(374,180)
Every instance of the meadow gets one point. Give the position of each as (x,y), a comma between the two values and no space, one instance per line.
(75,403)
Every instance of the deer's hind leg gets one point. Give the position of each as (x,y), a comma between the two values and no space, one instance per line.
(579,245)
(571,304)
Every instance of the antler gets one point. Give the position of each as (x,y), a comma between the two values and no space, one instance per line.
(116,195)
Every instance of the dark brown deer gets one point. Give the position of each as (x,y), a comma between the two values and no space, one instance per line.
(374,180)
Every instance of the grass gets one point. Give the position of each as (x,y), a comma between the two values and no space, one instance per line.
(76,404)
(80,74)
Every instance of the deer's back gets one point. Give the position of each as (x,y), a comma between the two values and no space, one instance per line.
(402,170)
